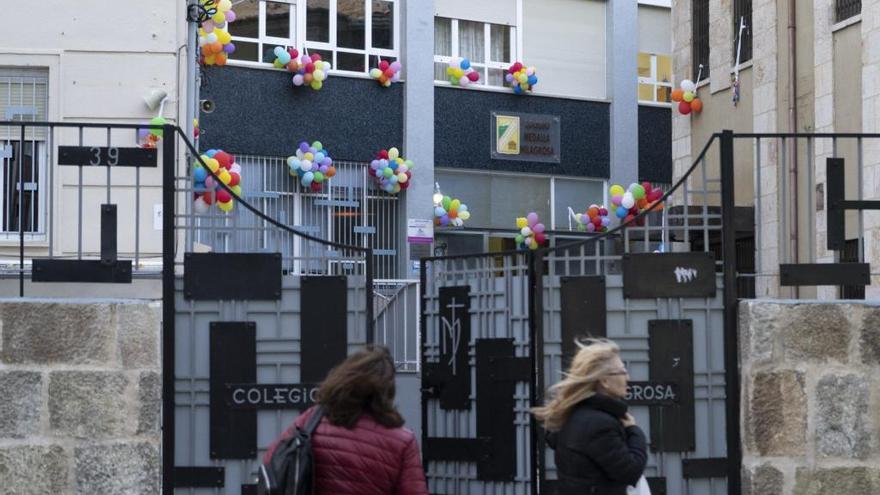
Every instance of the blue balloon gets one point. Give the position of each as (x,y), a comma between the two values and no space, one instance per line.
(200,174)
(211,152)
(517,89)
(533,80)
(465,64)
(621,212)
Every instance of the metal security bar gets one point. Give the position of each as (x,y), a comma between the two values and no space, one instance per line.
(397,321)
(742,15)
(844,9)
(700,31)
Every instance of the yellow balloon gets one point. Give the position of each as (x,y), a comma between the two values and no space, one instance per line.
(617,190)
(236,189)
(455,204)
(224,5)
(224,176)
(457,73)
(521,222)
(319,75)
(309,156)
(224,37)
(213,164)
(401,178)
(316,84)
(688,96)
(227,206)
(393,154)
(464,215)
(219,17)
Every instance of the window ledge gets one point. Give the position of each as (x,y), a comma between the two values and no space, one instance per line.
(648,103)
(743,66)
(270,67)
(846,23)
(495,89)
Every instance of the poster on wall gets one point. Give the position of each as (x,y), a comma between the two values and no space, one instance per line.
(525,137)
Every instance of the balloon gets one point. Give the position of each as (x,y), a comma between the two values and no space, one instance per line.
(526,231)
(538,228)
(684,108)
(521,78)
(697,105)
(616,190)
(688,96)
(461,73)
(200,207)
(688,85)
(532,218)
(677,93)
(521,222)
(628,200)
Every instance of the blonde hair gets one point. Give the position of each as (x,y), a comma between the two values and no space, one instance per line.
(593,361)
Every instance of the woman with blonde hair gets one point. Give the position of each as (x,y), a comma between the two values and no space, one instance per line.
(599,448)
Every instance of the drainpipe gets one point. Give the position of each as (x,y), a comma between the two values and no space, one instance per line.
(792,127)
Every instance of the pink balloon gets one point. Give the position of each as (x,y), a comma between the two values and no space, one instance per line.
(210,184)
(538,228)
(532,219)
(617,200)
(230,16)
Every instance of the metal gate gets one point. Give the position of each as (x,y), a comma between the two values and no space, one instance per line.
(656,287)
(260,313)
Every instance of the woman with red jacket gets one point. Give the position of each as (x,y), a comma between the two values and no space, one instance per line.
(360,446)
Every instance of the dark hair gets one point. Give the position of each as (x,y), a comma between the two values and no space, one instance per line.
(362,384)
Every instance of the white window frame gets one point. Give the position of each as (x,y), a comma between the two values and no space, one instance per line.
(652,80)
(262,38)
(298,40)
(487,49)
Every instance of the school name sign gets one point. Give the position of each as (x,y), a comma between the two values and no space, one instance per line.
(525,137)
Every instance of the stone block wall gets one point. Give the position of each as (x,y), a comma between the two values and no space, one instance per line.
(81,397)
(810,397)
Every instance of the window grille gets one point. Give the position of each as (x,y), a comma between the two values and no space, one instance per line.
(742,13)
(844,9)
(700,24)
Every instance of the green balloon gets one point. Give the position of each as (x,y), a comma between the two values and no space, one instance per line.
(447,202)
(317,145)
(387,172)
(638,192)
(318,177)
(519,239)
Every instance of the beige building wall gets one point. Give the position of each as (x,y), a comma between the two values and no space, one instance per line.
(837,90)
(101,62)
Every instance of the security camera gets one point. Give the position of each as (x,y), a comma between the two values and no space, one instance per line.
(207,106)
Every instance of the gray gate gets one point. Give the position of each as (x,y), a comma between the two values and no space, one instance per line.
(656,287)
(261,312)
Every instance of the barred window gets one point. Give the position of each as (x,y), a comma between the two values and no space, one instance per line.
(700,22)
(742,16)
(844,9)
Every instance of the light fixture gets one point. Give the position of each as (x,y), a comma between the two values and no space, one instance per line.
(438,196)
(155,99)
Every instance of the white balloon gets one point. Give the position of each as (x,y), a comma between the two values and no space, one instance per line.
(628,200)
(235,168)
(200,207)
(688,85)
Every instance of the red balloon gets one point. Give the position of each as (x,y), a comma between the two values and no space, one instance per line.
(223,196)
(389,73)
(684,108)
(517,67)
(404,185)
(316,186)
(647,186)
(310,67)
(315,57)
(383,154)
(383,65)
(208,197)
(473,76)
(235,179)
(540,237)
(372,172)
(223,158)
(293,52)
(596,221)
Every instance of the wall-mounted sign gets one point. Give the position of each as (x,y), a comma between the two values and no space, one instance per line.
(652,393)
(651,275)
(419,230)
(270,396)
(525,137)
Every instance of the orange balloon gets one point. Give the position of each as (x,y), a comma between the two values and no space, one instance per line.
(307,78)
(217,47)
(592,212)
(697,105)
(677,94)
(452,213)
(643,203)
(331,171)
(293,66)
(220,59)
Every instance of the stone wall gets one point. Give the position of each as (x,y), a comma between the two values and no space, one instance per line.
(81,391)
(810,397)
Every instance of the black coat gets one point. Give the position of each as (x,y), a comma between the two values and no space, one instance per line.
(595,454)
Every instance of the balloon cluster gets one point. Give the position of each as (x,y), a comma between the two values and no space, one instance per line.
(307,69)
(386,73)
(148,138)
(461,73)
(628,203)
(215,42)
(531,232)
(686,96)
(391,171)
(450,212)
(522,79)
(312,164)
(207,191)
(595,219)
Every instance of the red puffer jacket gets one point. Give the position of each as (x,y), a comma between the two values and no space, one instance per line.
(368,459)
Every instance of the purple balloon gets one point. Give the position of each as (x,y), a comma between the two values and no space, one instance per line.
(324,169)
(229,48)
(532,218)
(143,133)
(304,147)
(327,161)
(230,16)
(444,220)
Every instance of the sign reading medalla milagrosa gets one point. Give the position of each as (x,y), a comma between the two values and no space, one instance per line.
(270,396)
(525,137)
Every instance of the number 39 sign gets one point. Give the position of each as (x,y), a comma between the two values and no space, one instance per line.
(106,156)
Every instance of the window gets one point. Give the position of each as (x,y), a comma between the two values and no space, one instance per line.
(742,16)
(353,35)
(259,27)
(489,47)
(24,97)
(844,9)
(655,77)
(700,23)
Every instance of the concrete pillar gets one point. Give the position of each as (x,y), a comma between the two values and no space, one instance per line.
(418,116)
(622,53)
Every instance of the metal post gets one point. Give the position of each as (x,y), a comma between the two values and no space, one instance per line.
(21,209)
(731,345)
(368,294)
(168,310)
(536,385)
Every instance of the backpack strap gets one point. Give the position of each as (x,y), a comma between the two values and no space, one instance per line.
(313,421)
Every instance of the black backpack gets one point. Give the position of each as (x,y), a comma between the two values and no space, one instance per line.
(291,469)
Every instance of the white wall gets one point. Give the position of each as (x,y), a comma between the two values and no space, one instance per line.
(565,40)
